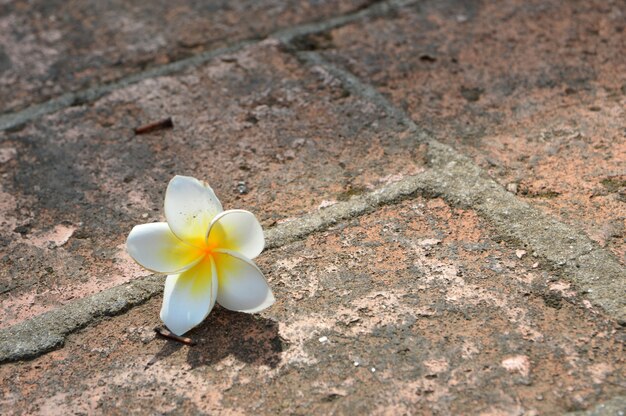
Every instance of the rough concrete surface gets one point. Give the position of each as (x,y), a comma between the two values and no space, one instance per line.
(533,91)
(78,180)
(412,308)
(441,185)
(53,47)
(453,176)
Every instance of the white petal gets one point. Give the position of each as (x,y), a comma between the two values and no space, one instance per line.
(189,297)
(237,230)
(190,205)
(242,286)
(157,249)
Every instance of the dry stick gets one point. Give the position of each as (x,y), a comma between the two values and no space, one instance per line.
(166,123)
(167,334)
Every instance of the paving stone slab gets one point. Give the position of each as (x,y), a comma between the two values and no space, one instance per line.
(534,92)
(416,308)
(268,133)
(48,48)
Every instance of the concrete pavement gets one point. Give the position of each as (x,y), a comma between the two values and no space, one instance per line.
(440,184)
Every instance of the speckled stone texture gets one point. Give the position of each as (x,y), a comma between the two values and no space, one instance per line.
(534,91)
(415,308)
(269,135)
(49,47)
(441,184)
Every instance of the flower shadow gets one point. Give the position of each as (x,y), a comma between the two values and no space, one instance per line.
(251,339)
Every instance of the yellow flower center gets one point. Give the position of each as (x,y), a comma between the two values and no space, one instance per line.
(209,247)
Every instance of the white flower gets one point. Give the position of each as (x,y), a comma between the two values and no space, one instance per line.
(207,254)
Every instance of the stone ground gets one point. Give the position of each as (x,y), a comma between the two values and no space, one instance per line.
(442,185)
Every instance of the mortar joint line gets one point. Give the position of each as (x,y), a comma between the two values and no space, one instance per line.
(16,119)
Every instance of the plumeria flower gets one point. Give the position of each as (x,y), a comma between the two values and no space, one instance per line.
(207,253)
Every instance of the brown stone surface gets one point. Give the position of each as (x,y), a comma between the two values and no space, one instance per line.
(534,91)
(417,308)
(74,183)
(50,47)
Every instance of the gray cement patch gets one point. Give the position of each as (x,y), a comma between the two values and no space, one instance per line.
(570,252)
(46,332)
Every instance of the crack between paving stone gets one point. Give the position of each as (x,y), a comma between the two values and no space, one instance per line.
(452,176)
(46,332)
(15,120)
(380,8)
(354,85)
(457,179)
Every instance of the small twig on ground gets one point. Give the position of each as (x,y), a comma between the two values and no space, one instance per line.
(167,334)
(166,123)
